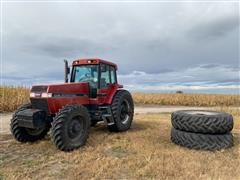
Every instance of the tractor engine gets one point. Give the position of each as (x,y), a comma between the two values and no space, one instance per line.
(51,98)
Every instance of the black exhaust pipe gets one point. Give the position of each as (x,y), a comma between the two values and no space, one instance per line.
(67,71)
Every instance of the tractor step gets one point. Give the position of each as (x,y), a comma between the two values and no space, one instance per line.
(104,107)
(107,115)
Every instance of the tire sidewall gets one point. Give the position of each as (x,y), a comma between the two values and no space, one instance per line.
(202,141)
(77,141)
(61,123)
(219,123)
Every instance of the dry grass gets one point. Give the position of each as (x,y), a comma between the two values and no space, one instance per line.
(144,152)
(187,99)
(12,97)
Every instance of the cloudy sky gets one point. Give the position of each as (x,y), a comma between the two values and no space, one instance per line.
(158,46)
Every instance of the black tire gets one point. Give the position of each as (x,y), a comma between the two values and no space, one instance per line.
(23,134)
(206,122)
(70,127)
(202,141)
(122,111)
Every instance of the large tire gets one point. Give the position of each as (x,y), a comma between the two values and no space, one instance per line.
(206,122)
(70,127)
(202,141)
(122,111)
(23,134)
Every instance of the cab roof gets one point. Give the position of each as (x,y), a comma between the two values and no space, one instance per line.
(92,61)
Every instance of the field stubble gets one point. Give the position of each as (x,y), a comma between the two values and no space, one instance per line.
(144,152)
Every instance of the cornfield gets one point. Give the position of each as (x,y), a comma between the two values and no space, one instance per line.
(12,97)
(187,99)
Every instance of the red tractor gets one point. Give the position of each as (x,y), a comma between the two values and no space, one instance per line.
(69,109)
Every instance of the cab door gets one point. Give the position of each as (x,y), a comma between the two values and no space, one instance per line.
(107,82)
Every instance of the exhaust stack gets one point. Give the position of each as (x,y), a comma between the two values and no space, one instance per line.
(67,71)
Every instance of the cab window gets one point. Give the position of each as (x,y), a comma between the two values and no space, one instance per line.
(113,75)
(105,76)
(86,73)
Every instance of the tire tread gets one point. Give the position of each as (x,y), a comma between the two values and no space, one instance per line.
(202,141)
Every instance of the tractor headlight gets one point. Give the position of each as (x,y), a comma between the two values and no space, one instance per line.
(43,95)
(32,94)
(46,95)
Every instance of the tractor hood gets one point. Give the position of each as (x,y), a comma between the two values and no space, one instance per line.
(59,90)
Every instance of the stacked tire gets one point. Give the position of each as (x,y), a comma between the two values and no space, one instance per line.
(207,130)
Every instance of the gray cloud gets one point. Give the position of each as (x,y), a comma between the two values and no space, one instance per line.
(190,80)
(194,75)
(163,40)
(67,47)
(216,29)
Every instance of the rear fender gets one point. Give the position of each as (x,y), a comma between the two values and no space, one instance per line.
(111,95)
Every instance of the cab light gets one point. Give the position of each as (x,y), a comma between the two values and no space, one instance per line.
(91,61)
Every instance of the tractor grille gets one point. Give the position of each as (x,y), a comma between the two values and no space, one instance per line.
(39,89)
(40,104)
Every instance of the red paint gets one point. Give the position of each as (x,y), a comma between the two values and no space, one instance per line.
(57,103)
(69,88)
(78,93)
(110,92)
(54,104)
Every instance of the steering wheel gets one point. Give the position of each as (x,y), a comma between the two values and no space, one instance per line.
(85,77)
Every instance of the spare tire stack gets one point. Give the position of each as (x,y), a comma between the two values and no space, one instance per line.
(207,130)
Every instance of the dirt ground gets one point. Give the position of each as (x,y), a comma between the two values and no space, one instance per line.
(5,117)
(144,152)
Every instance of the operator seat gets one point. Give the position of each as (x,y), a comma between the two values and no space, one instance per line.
(103,82)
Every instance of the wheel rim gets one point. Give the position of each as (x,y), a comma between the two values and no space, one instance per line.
(75,128)
(125,112)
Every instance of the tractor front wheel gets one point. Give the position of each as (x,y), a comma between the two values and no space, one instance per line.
(23,134)
(70,127)
(123,111)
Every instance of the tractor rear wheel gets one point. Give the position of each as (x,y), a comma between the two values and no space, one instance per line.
(70,127)
(123,111)
(23,134)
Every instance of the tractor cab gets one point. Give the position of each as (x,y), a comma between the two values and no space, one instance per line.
(99,74)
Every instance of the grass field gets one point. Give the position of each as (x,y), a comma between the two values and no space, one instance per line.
(144,152)
(13,97)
